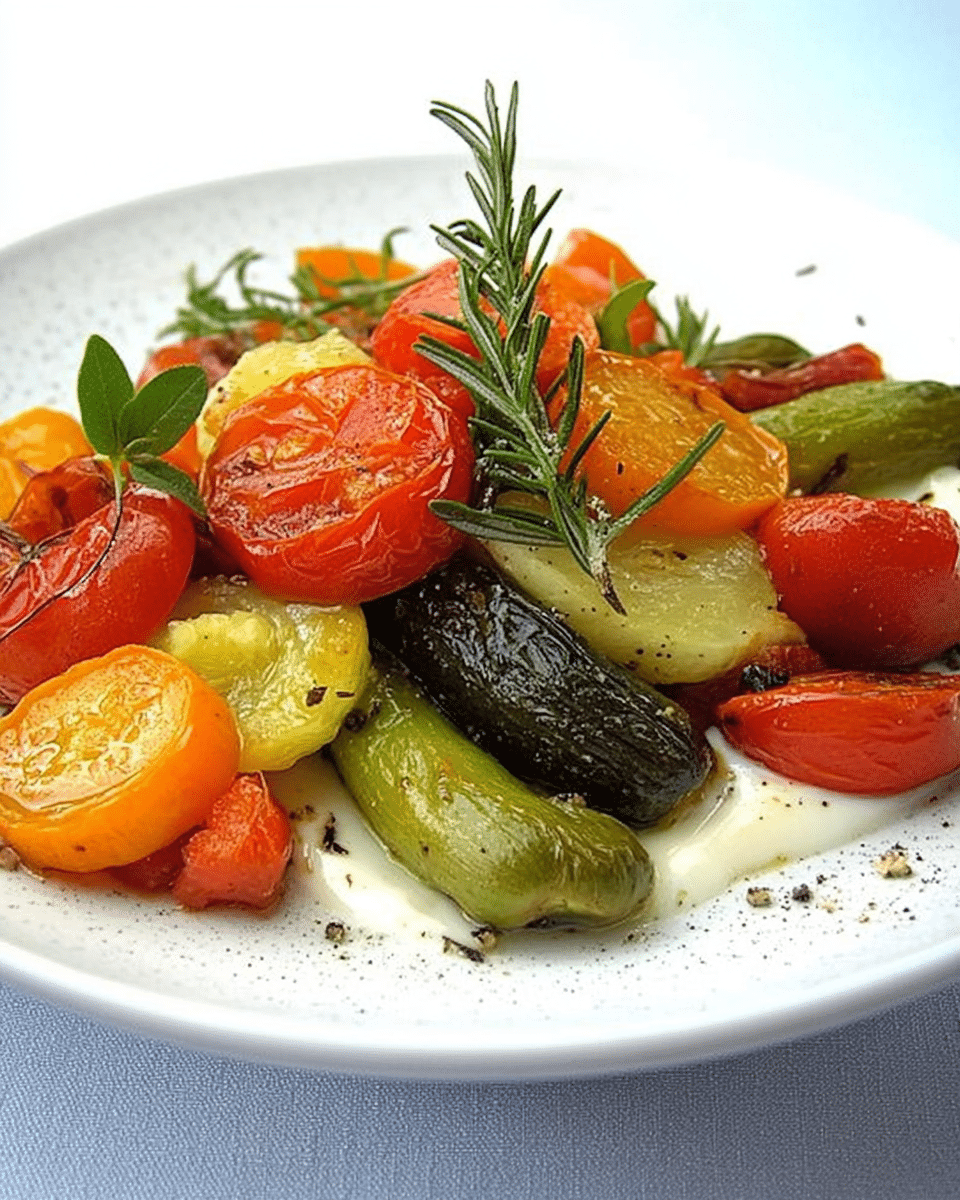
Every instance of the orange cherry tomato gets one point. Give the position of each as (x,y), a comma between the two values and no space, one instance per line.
(33,441)
(320,486)
(583,268)
(99,584)
(112,760)
(869,734)
(393,343)
(241,854)
(657,417)
(851,364)
(874,583)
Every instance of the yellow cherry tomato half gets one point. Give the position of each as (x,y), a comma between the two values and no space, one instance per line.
(111,760)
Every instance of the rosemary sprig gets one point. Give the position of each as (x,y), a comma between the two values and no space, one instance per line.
(501,262)
(302,314)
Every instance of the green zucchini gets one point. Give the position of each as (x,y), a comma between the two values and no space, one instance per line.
(526,688)
(457,820)
(857,437)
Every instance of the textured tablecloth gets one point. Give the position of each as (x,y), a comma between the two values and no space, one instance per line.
(871,1111)
(101,102)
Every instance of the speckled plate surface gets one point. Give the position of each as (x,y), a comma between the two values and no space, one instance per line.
(762,251)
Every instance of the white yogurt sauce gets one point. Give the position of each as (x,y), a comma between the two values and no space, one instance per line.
(748,820)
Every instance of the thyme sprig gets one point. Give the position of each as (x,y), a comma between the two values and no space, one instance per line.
(301,314)
(518,448)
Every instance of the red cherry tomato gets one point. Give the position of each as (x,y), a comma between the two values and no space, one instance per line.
(851,364)
(780,662)
(98,585)
(156,872)
(874,584)
(320,486)
(216,355)
(869,734)
(393,342)
(57,499)
(241,853)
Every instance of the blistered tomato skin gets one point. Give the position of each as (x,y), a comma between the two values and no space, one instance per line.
(858,732)
(98,585)
(874,583)
(320,486)
(58,499)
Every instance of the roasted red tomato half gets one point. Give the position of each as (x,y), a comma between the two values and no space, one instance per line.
(99,584)
(238,856)
(874,584)
(869,734)
(241,853)
(320,486)
(58,499)
(850,364)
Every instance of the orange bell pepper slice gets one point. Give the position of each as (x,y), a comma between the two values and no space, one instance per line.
(112,760)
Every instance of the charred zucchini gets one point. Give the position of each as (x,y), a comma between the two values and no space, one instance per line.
(457,820)
(528,690)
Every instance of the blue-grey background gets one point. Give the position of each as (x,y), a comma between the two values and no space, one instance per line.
(103,102)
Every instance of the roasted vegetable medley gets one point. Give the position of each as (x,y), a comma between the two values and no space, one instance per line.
(498,537)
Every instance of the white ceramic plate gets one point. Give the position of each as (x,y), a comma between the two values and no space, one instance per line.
(722,978)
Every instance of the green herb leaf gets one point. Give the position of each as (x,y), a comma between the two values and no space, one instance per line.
(130,429)
(612,319)
(755,352)
(165,477)
(103,388)
(160,413)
